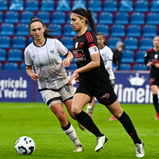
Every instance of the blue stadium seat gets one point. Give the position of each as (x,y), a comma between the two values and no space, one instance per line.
(31,5)
(140,56)
(121,18)
(126,6)
(68,18)
(141,6)
(153,18)
(3,5)
(44,16)
(16,5)
(23,66)
(103,29)
(113,41)
(79,4)
(58,17)
(26,16)
(19,42)
(104,20)
(131,43)
(118,30)
(146,43)
(95,5)
(56,29)
(137,18)
(154,6)
(110,6)
(11,66)
(149,31)
(5,42)
(15,55)
(30,40)
(127,56)
(3,55)
(67,42)
(0,66)
(1,17)
(63,6)
(95,17)
(140,67)
(11,17)
(73,66)
(125,67)
(7,29)
(134,31)
(68,31)
(22,29)
(47,5)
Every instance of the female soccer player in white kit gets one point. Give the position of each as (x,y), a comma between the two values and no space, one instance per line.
(44,53)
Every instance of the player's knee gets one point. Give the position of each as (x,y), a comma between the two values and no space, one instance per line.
(61,116)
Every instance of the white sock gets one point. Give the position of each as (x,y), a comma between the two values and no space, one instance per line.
(89,110)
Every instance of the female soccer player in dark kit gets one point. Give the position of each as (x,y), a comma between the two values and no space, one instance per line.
(94,81)
(44,53)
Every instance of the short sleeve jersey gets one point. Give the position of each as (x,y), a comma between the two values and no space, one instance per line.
(152,55)
(81,50)
(47,63)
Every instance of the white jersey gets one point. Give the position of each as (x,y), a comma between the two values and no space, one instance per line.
(107,56)
(47,63)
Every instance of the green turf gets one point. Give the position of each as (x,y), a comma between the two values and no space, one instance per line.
(38,122)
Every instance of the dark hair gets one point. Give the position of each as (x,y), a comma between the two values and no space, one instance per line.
(88,15)
(105,42)
(46,32)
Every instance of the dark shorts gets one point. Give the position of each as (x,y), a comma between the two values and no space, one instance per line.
(154,81)
(105,94)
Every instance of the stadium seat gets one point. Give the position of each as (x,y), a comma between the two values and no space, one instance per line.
(44,16)
(1,16)
(63,6)
(58,17)
(5,42)
(22,29)
(68,31)
(56,29)
(125,67)
(141,6)
(134,31)
(118,30)
(31,5)
(47,5)
(137,18)
(140,56)
(0,66)
(3,5)
(126,6)
(23,66)
(11,17)
(140,67)
(26,16)
(110,6)
(95,17)
(153,18)
(11,66)
(95,5)
(30,40)
(16,5)
(67,42)
(149,31)
(121,18)
(113,41)
(146,43)
(7,29)
(79,4)
(104,20)
(154,6)
(131,43)
(19,42)
(2,55)
(72,66)
(68,18)
(127,56)
(103,29)
(14,55)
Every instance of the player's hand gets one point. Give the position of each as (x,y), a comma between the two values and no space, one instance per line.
(34,76)
(65,63)
(157,65)
(75,76)
(149,64)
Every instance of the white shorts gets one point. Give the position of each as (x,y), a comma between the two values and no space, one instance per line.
(51,97)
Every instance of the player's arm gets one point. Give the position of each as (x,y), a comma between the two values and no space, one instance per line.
(146,60)
(66,62)
(31,73)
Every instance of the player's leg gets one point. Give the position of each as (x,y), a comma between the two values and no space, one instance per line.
(90,107)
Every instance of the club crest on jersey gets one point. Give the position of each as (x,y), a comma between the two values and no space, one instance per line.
(52,51)
(155,56)
(33,57)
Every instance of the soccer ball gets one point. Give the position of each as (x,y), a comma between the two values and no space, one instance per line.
(25,145)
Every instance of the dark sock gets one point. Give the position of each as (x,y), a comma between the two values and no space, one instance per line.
(66,127)
(88,123)
(129,127)
(155,102)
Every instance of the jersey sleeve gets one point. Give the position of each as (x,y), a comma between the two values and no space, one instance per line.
(146,58)
(62,50)
(27,58)
(109,54)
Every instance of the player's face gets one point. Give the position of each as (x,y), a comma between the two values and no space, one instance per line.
(100,41)
(156,41)
(37,30)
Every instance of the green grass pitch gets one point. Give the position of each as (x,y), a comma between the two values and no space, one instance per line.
(37,121)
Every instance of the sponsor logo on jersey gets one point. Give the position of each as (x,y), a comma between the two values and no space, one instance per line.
(79,55)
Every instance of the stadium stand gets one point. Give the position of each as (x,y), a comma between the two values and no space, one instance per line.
(14,55)
(110,6)
(3,55)
(22,29)
(16,5)
(11,66)
(140,57)
(127,56)
(140,67)
(47,5)
(125,67)
(7,29)
(0,66)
